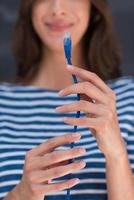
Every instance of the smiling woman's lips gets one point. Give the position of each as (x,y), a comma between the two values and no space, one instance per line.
(58,27)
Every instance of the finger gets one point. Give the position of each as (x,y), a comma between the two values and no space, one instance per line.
(54,187)
(53,158)
(83,106)
(86,88)
(86,98)
(41,175)
(53,143)
(83,121)
(89,76)
(63,163)
(65,184)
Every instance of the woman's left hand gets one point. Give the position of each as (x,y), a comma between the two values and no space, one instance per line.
(101,113)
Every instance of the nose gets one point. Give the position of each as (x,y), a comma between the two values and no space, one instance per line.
(58,8)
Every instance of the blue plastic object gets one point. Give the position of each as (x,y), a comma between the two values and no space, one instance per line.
(68,55)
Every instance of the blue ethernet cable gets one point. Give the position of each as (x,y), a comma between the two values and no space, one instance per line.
(67,50)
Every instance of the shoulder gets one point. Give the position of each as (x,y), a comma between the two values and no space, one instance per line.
(14,88)
(121,82)
(124,90)
(122,86)
(9,88)
(14,91)
(5,87)
(9,92)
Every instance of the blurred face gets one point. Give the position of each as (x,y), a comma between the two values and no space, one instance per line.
(52,18)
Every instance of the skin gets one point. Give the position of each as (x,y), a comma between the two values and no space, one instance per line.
(109,138)
(105,106)
(50,11)
(36,181)
(37,174)
(53,62)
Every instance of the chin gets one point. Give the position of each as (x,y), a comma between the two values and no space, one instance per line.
(55,44)
(55,47)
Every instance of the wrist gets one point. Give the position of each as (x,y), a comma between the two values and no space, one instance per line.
(22,193)
(118,153)
(115,158)
(16,192)
(13,195)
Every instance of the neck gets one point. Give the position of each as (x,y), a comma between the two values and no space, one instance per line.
(53,73)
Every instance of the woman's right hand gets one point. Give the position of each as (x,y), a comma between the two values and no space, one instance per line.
(42,164)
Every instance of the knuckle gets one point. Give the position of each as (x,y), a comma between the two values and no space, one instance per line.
(93,75)
(77,151)
(86,85)
(74,152)
(108,101)
(113,94)
(68,137)
(53,156)
(112,97)
(31,177)
(105,110)
(28,155)
(27,167)
(99,126)
(110,104)
(50,142)
(56,172)
(110,115)
(83,103)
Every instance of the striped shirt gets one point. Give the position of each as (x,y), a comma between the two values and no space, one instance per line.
(28,118)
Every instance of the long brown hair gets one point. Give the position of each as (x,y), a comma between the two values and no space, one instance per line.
(101,50)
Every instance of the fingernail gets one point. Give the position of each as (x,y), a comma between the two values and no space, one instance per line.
(76,135)
(82,150)
(83,163)
(58,109)
(61,93)
(76,181)
(70,66)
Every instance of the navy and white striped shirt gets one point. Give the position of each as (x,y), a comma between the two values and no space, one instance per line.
(28,118)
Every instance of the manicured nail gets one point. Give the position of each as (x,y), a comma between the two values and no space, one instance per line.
(76,135)
(76,181)
(57,109)
(61,93)
(70,66)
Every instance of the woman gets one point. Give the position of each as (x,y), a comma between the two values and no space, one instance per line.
(34,107)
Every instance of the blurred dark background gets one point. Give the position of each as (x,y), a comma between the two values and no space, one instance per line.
(123,15)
